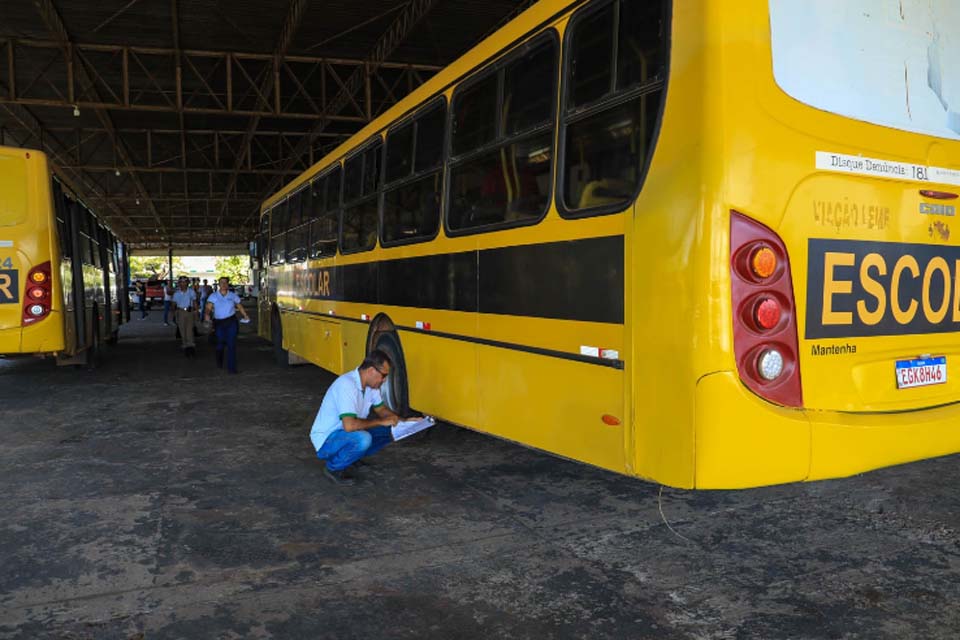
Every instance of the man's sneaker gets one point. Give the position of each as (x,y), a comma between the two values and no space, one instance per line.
(342,477)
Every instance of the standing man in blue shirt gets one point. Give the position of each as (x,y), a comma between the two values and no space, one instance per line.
(339,434)
(223,305)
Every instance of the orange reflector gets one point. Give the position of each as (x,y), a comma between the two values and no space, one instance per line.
(763,262)
(36,292)
(610,420)
(38,276)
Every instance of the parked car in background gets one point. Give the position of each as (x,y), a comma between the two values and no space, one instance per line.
(155,290)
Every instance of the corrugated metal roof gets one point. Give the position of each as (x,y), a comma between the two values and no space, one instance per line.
(125,50)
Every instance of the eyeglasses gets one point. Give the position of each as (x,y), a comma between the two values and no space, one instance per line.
(382,374)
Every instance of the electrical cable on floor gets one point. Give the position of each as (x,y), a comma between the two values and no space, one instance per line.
(664,518)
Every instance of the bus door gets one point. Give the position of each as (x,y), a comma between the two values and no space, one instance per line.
(76,291)
(109,291)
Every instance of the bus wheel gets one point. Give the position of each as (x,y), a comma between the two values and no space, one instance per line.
(93,351)
(276,333)
(394,390)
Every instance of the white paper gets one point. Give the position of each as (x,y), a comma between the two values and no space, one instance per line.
(410,427)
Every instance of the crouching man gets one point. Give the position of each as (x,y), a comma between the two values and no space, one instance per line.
(353,422)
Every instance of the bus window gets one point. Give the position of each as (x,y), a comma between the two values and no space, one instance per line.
(399,153)
(506,184)
(278,229)
(613,103)
(296,249)
(358,226)
(323,229)
(475,116)
(411,208)
(265,223)
(431,128)
(332,201)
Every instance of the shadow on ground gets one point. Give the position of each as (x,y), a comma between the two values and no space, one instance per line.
(158,497)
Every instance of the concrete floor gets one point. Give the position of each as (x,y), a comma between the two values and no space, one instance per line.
(161,498)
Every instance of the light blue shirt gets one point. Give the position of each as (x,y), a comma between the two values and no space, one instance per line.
(345,397)
(224,306)
(184,299)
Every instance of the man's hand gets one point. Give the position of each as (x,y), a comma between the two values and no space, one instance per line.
(391,420)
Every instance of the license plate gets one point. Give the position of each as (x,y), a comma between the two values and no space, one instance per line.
(9,286)
(921,372)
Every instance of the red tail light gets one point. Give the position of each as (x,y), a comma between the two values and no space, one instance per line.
(36,302)
(764,312)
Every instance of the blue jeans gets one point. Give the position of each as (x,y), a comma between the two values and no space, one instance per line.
(166,310)
(226,331)
(342,448)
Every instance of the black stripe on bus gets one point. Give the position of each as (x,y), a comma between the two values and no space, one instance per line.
(579,280)
(550,353)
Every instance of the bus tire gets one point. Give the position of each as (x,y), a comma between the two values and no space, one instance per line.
(395,390)
(276,333)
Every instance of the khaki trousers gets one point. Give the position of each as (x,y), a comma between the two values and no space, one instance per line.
(185,320)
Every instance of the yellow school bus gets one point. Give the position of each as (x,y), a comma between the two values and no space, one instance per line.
(706,243)
(62,271)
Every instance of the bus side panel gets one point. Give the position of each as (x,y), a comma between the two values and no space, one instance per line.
(323,344)
(671,291)
(553,404)
(442,376)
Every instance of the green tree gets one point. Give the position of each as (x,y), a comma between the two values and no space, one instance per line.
(237,268)
(154,267)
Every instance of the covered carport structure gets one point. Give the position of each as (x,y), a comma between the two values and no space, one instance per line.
(175,119)
(156,497)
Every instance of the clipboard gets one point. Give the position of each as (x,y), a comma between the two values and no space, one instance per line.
(409,427)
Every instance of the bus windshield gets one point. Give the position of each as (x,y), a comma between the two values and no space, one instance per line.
(888,63)
(13,193)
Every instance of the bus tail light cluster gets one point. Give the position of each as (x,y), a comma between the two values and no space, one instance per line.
(764,312)
(36,299)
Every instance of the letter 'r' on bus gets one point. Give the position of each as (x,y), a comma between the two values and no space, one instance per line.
(873,288)
(831,287)
(5,282)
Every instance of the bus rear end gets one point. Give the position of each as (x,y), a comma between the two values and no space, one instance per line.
(843,184)
(30,318)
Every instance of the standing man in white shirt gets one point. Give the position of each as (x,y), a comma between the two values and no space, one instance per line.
(185,303)
(223,306)
(353,422)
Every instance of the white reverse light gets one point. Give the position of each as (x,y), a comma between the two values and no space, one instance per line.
(36,309)
(770,364)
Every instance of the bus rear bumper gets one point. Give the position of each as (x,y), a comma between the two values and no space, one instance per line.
(45,336)
(849,443)
(10,341)
(743,441)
